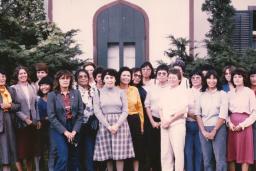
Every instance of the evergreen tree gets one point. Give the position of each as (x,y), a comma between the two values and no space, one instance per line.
(178,49)
(219,38)
(27,38)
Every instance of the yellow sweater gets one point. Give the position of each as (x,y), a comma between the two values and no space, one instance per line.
(134,103)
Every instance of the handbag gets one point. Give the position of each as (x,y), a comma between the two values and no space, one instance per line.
(93,123)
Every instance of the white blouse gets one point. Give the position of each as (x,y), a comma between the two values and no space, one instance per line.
(243,101)
(176,99)
(154,94)
(193,96)
(211,106)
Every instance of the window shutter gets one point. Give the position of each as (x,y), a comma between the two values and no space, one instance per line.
(242,35)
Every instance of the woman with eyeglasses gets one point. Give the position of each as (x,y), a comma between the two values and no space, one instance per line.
(87,134)
(137,82)
(226,78)
(147,72)
(193,152)
(242,105)
(212,111)
(8,106)
(65,110)
(154,94)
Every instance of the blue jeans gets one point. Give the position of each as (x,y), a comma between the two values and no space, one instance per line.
(68,156)
(214,149)
(52,152)
(87,143)
(193,152)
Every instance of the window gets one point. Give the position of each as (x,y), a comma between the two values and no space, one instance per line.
(113,56)
(129,55)
(254,29)
(242,37)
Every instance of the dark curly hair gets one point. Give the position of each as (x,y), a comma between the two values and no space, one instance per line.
(243,73)
(16,74)
(195,72)
(109,71)
(252,72)
(147,63)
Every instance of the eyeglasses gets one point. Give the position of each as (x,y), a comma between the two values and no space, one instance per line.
(196,78)
(162,73)
(137,75)
(82,76)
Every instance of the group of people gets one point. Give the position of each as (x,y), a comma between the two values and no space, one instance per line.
(131,119)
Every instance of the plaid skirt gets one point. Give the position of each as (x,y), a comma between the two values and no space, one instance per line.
(113,146)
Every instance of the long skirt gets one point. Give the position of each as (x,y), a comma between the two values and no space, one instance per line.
(135,129)
(254,140)
(116,146)
(26,145)
(240,144)
(7,141)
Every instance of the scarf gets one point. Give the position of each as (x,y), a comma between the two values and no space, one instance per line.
(6,96)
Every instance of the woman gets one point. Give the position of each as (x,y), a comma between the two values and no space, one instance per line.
(193,152)
(113,139)
(97,77)
(172,112)
(242,105)
(252,77)
(227,83)
(212,111)
(41,71)
(135,113)
(90,67)
(137,82)
(147,72)
(180,65)
(46,144)
(7,137)
(27,119)
(154,94)
(65,110)
(87,134)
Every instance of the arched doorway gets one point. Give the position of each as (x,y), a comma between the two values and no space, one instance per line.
(120,33)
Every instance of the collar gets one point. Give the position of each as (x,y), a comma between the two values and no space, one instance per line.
(212,92)
(62,93)
(82,88)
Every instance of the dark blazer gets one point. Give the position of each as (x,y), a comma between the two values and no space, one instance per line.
(15,107)
(24,111)
(56,110)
